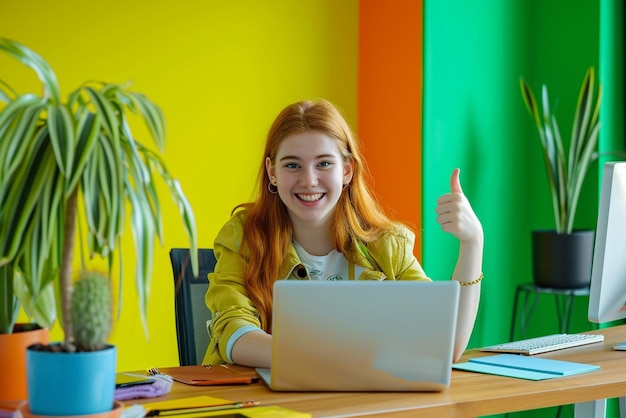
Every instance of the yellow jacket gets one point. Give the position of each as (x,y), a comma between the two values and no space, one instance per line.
(388,258)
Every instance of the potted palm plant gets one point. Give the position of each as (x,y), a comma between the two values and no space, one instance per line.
(562,257)
(74,169)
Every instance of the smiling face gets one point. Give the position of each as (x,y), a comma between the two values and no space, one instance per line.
(309,172)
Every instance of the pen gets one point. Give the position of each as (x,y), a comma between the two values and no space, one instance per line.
(198,409)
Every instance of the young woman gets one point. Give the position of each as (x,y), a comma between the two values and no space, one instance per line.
(316,219)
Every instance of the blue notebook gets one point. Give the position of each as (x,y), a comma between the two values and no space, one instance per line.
(524,367)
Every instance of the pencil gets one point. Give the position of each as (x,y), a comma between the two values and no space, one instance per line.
(199,409)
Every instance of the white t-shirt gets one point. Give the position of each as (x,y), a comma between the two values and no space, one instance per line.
(332,266)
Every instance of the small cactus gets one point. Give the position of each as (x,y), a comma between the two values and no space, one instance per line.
(91,311)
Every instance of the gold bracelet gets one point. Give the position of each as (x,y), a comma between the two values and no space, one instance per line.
(476,281)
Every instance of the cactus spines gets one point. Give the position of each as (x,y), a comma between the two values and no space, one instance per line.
(91,311)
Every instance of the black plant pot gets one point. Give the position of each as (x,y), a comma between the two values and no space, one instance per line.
(562,261)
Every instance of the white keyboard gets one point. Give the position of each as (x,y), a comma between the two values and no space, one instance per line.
(544,344)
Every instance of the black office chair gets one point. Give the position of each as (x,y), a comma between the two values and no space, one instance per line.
(191,311)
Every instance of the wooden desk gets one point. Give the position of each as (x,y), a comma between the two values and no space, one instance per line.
(470,394)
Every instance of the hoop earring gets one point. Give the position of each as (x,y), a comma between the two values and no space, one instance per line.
(272,190)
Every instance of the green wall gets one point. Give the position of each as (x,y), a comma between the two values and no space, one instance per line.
(474,117)
(471,66)
(613,19)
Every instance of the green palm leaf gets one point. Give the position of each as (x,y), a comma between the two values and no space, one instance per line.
(566,177)
(56,155)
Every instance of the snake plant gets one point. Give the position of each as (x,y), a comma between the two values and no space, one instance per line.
(566,176)
(73,170)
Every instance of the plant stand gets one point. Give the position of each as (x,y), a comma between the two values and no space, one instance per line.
(563,300)
(23,411)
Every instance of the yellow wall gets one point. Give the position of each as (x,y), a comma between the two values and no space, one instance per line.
(220,70)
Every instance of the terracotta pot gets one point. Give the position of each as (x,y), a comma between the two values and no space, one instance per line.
(13,359)
(23,411)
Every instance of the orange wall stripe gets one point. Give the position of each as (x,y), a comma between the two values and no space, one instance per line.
(390,104)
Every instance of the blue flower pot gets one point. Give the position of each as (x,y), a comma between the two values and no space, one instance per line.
(80,383)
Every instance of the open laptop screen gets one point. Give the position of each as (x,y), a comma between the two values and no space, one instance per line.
(363,335)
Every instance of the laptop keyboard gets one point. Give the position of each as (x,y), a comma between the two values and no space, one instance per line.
(544,344)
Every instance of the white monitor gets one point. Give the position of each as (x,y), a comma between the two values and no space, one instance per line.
(607,298)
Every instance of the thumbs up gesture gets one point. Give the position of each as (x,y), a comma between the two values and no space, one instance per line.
(455,214)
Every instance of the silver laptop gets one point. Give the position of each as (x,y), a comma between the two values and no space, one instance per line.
(362,335)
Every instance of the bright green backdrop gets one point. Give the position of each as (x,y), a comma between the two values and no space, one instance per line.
(474,118)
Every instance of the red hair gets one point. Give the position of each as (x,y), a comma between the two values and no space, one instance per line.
(267,231)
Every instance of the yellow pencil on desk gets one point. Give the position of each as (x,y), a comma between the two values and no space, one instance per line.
(199,409)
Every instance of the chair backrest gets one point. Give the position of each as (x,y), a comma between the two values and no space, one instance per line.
(191,311)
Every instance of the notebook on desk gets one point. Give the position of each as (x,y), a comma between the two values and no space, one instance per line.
(362,336)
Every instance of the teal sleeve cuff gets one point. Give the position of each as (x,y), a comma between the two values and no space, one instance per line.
(236,335)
